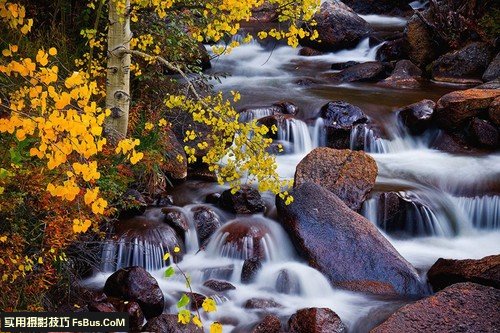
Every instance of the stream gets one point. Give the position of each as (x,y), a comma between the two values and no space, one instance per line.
(453,206)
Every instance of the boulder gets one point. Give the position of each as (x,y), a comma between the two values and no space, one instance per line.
(339,120)
(349,174)
(417,116)
(494,111)
(371,71)
(455,108)
(493,70)
(251,268)
(339,27)
(257,112)
(343,65)
(176,218)
(316,320)
(246,200)
(101,307)
(169,323)
(482,133)
(286,107)
(276,120)
(136,284)
(243,238)
(422,49)
(452,143)
(309,52)
(206,222)
(446,272)
(345,246)
(495,84)
(393,50)
(463,307)
(464,66)
(133,309)
(173,166)
(381,7)
(133,204)
(405,75)
(261,303)
(219,285)
(269,324)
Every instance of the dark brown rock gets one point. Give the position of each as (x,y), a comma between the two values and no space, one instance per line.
(371,71)
(405,75)
(267,12)
(455,108)
(316,320)
(172,166)
(101,307)
(176,218)
(251,268)
(349,174)
(452,143)
(343,65)
(168,323)
(261,303)
(417,116)
(493,70)
(463,307)
(383,7)
(277,120)
(482,133)
(133,309)
(466,65)
(446,272)
(286,107)
(219,285)
(136,284)
(196,300)
(309,52)
(422,47)
(339,27)
(345,246)
(269,324)
(494,111)
(393,50)
(134,204)
(239,232)
(206,222)
(246,200)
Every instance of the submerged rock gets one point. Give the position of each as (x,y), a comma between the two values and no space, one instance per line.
(339,27)
(316,320)
(261,303)
(251,268)
(206,222)
(349,174)
(136,284)
(446,272)
(463,307)
(345,246)
(219,285)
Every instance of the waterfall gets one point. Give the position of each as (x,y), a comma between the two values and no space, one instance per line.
(318,133)
(296,131)
(483,211)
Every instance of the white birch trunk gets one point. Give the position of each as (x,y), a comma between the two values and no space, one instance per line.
(118,71)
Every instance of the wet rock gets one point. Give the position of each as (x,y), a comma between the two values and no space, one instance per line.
(246,200)
(349,174)
(169,323)
(345,246)
(316,320)
(175,217)
(101,307)
(422,48)
(417,116)
(405,75)
(287,107)
(278,108)
(133,204)
(277,120)
(466,65)
(382,7)
(172,166)
(136,284)
(452,143)
(339,119)
(244,238)
(267,12)
(339,27)
(164,200)
(483,133)
(364,137)
(446,272)
(196,300)
(494,111)
(493,70)
(213,198)
(343,65)
(134,311)
(269,324)
(221,272)
(287,283)
(371,71)
(309,52)
(200,171)
(219,285)
(307,81)
(455,108)
(393,50)
(495,84)
(206,222)
(261,303)
(251,268)
(463,307)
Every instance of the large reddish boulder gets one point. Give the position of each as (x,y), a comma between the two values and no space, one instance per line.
(349,174)
(339,27)
(316,320)
(455,108)
(136,284)
(345,246)
(446,272)
(463,307)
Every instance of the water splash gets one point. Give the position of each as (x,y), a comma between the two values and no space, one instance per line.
(296,131)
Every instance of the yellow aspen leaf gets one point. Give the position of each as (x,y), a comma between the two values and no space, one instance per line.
(216,327)
(197,321)
(209,305)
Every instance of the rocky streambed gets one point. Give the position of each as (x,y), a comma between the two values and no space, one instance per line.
(395,167)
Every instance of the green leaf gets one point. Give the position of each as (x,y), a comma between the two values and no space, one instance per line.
(183,301)
(169,272)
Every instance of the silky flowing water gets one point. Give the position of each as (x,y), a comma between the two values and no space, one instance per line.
(458,215)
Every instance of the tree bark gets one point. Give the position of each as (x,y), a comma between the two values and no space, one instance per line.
(118,70)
